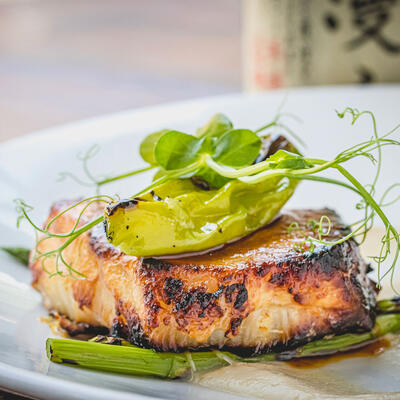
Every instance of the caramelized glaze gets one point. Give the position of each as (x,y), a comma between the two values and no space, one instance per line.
(276,241)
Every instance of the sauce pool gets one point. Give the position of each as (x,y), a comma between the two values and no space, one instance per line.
(373,349)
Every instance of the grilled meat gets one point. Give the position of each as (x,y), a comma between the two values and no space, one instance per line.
(253,295)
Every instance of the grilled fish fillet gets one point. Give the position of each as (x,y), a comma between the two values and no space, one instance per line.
(251,296)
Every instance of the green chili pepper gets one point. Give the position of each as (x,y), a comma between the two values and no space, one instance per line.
(179,217)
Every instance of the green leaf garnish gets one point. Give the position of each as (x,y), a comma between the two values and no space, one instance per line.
(148,146)
(288,160)
(237,148)
(211,178)
(216,127)
(176,150)
(21,254)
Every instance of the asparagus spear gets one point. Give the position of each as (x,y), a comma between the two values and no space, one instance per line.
(133,360)
(129,359)
(389,305)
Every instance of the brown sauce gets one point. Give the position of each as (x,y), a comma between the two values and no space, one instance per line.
(373,349)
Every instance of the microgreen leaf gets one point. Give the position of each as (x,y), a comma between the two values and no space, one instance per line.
(21,254)
(237,148)
(149,144)
(216,127)
(176,150)
(286,159)
(212,178)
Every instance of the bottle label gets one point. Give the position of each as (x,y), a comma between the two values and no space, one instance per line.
(316,42)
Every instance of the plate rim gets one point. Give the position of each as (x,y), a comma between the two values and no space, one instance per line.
(30,383)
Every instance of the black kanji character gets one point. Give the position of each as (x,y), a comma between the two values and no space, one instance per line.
(370,17)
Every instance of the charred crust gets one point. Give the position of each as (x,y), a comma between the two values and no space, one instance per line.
(154,265)
(109,234)
(172,287)
(265,267)
(278,143)
(396,300)
(198,297)
(68,361)
(115,341)
(369,268)
(185,301)
(237,291)
(136,332)
(331,258)
(127,326)
(339,264)
(122,204)
(277,279)
(205,298)
(189,304)
(119,329)
(80,328)
(153,307)
(99,245)
(200,183)
(148,295)
(270,145)
(234,326)
(155,197)
(298,298)
(227,278)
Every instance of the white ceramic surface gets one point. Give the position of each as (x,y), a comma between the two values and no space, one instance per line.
(29,167)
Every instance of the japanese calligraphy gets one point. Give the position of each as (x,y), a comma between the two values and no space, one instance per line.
(370,17)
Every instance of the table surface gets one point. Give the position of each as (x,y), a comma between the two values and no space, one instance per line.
(64,61)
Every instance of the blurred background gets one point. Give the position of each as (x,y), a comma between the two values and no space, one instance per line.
(65,60)
(61,61)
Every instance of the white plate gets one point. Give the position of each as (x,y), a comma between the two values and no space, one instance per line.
(29,167)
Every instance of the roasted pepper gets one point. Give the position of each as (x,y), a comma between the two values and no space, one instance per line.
(179,217)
